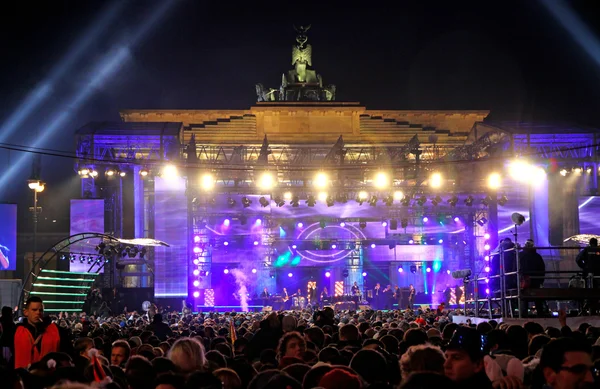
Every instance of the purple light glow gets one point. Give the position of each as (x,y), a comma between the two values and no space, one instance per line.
(487,291)
(197,239)
(448,271)
(197,250)
(327,274)
(487,280)
(334,246)
(411,241)
(196,272)
(253,271)
(487,258)
(294,246)
(487,269)
(300,225)
(196,294)
(428,270)
(384,224)
(364,274)
(372,245)
(196,261)
(226,243)
(196,283)
(456,219)
(342,224)
(226,271)
(400,270)
(425,219)
(256,243)
(441,241)
(486,236)
(486,247)
(226,222)
(290,275)
(258,222)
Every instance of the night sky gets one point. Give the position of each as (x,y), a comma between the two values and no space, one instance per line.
(511,57)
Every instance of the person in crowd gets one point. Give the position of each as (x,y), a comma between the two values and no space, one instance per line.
(293,345)
(160,329)
(566,363)
(188,355)
(119,354)
(422,358)
(81,347)
(7,337)
(34,337)
(589,261)
(533,270)
(464,359)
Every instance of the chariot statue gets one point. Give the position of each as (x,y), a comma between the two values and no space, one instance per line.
(301,83)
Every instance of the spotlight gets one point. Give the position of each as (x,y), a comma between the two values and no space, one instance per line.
(373,201)
(110,172)
(334,246)
(413,269)
(226,243)
(266,181)
(93,173)
(452,201)
(122,173)
(411,241)
(256,242)
(196,283)
(400,269)
(294,247)
(207,181)
(310,201)
(486,236)
(435,181)
(320,181)
(456,219)
(405,201)
(300,225)
(428,270)
(398,195)
(196,272)
(425,219)
(482,221)
(226,271)
(253,271)
(144,172)
(342,224)
(381,180)
(422,200)
(362,196)
(486,258)
(169,172)
(342,198)
(327,274)
(362,224)
(197,250)
(246,202)
(469,201)
(384,224)
(263,201)
(389,200)
(196,294)
(329,201)
(578,170)
(487,200)
(494,181)
(287,196)
(441,241)
(84,171)
(404,223)
(364,274)
(448,271)
(231,202)
(487,291)
(227,222)
(563,172)
(503,200)
(290,275)
(373,245)
(487,269)
(436,200)
(279,202)
(295,201)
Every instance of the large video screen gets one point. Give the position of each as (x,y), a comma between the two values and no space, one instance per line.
(8,237)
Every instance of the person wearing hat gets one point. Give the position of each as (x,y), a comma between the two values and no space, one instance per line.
(533,270)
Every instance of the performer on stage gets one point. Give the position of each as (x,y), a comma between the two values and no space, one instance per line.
(285,298)
(398,296)
(447,294)
(377,296)
(411,296)
(312,297)
(388,297)
(265,297)
(324,297)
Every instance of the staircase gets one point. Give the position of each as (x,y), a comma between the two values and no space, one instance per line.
(233,126)
(403,131)
(62,291)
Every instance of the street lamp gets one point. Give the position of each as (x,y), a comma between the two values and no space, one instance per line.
(36,186)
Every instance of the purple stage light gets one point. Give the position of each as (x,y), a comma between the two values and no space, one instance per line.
(196,261)
(384,224)
(448,271)
(256,242)
(411,241)
(226,222)
(253,271)
(400,270)
(425,219)
(441,241)
(226,271)
(290,275)
(486,236)
(487,291)
(372,245)
(487,280)
(196,294)
(196,283)
(342,224)
(226,243)
(487,269)
(300,225)
(196,272)
(428,270)
(456,219)
(486,247)
(197,239)
(258,222)
(327,274)
(294,246)
(334,246)
(486,258)
(197,250)
(364,274)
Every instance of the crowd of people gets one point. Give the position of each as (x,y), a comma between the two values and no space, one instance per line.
(292,349)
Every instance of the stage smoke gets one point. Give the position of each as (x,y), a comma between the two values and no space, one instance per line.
(240,280)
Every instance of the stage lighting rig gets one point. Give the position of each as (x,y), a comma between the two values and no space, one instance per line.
(295,201)
(389,200)
(503,200)
(405,201)
(452,201)
(263,201)
(310,201)
(342,198)
(279,202)
(461,274)
(469,201)
(330,202)
(487,200)
(373,201)
(231,202)
(422,200)
(436,200)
